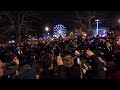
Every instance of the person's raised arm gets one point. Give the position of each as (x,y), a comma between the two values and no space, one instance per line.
(97,65)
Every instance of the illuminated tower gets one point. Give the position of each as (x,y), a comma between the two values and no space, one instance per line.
(97,29)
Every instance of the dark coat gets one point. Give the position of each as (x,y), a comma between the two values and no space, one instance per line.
(26,74)
(62,72)
(108,54)
(9,71)
(72,73)
(47,74)
(113,72)
(97,69)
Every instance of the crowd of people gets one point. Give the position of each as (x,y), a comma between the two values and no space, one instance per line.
(71,58)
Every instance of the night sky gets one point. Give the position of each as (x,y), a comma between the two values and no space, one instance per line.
(51,18)
(66,17)
(107,19)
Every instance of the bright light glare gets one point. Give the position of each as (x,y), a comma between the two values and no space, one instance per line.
(12,41)
(85,34)
(46,28)
(119,20)
(9,41)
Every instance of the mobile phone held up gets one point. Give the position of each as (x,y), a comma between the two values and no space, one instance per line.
(78,60)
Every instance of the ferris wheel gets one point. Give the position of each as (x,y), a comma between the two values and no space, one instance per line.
(59,30)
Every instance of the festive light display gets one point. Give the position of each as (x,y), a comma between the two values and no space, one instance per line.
(59,30)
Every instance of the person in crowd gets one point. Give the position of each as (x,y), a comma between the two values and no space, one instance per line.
(46,67)
(25,72)
(113,72)
(97,71)
(62,59)
(108,54)
(1,69)
(67,69)
(9,68)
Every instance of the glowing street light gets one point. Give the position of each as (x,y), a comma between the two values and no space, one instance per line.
(119,20)
(46,29)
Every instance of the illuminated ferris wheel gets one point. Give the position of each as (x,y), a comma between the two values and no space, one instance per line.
(59,30)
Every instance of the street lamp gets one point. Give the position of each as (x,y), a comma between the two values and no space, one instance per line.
(46,29)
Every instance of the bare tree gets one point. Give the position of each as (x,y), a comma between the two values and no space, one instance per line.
(86,21)
(21,22)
